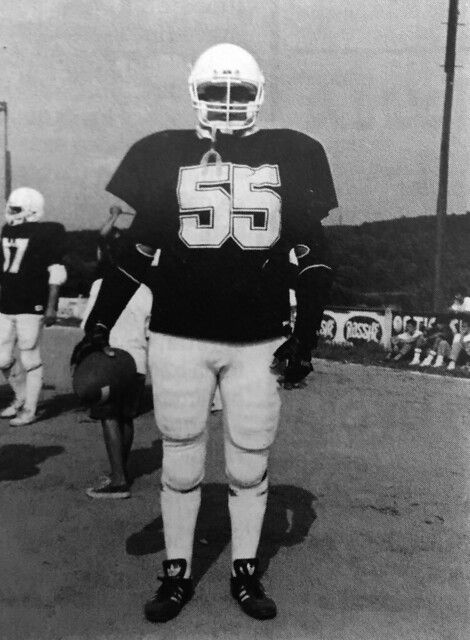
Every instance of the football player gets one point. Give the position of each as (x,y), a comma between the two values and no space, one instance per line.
(218,211)
(31,275)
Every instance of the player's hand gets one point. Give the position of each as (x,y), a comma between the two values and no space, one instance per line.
(115,212)
(293,361)
(97,339)
(50,317)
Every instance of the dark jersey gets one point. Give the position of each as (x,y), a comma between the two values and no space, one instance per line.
(224,230)
(28,250)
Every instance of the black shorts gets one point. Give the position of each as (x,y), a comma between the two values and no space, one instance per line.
(123,407)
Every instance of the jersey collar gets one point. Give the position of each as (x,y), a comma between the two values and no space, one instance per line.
(202,132)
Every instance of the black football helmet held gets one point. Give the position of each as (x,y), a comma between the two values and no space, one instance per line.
(99,376)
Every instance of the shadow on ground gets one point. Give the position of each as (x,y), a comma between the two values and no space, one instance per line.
(58,405)
(289,516)
(20,461)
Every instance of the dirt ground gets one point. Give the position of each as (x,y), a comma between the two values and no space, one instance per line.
(365,538)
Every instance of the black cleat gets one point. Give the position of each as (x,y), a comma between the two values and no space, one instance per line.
(248,591)
(174,592)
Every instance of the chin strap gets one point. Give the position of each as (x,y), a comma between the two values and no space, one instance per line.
(212,156)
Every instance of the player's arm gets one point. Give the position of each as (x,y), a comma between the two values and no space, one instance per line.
(312,288)
(57,275)
(114,213)
(315,273)
(124,274)
(120,282)
(50,315)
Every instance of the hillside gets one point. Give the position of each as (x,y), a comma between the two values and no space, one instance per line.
(393,261)
(377,263)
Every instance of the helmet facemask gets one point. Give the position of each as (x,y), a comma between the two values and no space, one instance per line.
(227,104)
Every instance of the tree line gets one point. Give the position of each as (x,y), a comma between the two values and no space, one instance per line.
(389,262)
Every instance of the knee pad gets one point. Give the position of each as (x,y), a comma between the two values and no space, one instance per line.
(260,489)
(7,357)
(245,469)
(31,358)
(183,463)
(6,362)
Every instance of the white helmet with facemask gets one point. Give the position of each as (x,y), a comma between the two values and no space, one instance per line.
(227,88)
(24,205)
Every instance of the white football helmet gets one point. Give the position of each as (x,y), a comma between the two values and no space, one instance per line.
(24,205)
(227,88)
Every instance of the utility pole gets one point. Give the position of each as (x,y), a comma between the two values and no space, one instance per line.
(275,46)
(7,156)
(441,209)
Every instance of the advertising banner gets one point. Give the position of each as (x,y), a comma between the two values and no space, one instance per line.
(423,321)
(355,326)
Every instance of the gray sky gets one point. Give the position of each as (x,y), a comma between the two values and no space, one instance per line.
(84,79)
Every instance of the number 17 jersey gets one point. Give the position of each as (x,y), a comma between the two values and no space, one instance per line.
(27,251)
(223,230)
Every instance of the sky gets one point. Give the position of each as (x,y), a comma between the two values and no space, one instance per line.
(85,79)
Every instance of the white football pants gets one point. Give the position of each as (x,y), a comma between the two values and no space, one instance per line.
(24,331)
(185,373)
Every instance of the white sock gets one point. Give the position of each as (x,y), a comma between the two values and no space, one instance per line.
(247,508)
(439,361)
(33,388)
(179,513)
